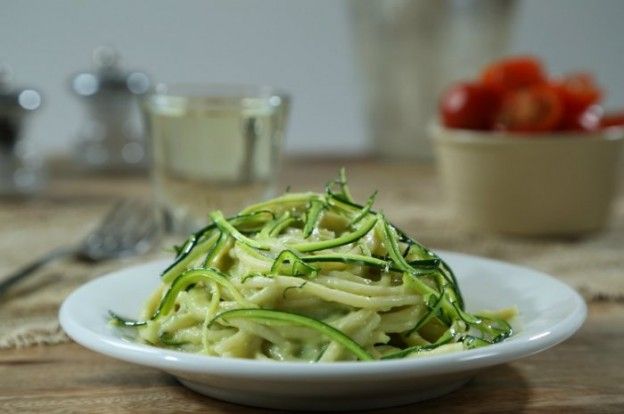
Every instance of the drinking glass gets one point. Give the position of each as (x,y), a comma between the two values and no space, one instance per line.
(409,51)
(213,147)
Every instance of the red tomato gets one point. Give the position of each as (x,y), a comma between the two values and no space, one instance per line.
(612,119)
(534,109)
(589,119)
(468,106)
(578,91)
(513,73)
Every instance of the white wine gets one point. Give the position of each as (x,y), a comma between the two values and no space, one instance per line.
(212,153)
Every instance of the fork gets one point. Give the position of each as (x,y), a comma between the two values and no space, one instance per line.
(129,228)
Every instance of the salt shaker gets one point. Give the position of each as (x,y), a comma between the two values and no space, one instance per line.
(20,172)
(112,136)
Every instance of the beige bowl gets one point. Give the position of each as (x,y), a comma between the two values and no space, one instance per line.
(548,185)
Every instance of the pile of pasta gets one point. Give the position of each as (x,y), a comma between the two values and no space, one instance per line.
(311,277)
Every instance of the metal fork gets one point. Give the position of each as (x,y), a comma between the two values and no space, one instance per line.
(129,228)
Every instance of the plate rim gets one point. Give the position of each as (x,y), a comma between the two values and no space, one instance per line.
(183,362)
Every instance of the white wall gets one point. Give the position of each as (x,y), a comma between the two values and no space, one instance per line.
(303,46)
(576,35)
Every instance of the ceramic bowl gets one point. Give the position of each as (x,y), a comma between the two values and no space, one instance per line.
(555,184)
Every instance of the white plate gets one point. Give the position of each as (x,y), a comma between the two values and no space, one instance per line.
(550,312)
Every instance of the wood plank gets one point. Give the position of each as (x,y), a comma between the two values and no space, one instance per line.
(584,374)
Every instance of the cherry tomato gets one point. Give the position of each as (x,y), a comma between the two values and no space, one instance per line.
(589,119)
(468,106)
(533,109)
(578,91)
(613,119)
(513,73)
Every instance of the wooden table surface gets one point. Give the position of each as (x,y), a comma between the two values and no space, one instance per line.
(584,374)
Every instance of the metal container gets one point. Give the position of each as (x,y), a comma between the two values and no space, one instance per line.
(20,173)
(112,136)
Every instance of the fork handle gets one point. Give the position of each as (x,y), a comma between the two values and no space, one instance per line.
(25,271)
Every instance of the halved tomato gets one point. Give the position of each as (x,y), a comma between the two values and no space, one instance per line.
(513,73)
(612,119)
(534,109)
(578,92)
(469,106)
(589,119)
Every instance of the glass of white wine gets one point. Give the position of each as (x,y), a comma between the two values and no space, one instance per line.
(213,147)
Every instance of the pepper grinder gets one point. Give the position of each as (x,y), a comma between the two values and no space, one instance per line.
(20,170)
(112,136)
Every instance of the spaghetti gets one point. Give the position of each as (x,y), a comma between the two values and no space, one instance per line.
(311,277)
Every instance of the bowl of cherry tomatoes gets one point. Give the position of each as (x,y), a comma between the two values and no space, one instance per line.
(524,153)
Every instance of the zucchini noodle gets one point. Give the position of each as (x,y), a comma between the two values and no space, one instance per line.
(311,277)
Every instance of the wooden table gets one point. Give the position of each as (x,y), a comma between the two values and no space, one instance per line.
(584,374)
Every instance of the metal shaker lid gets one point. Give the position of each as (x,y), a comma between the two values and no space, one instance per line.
(15,100)
(109,76)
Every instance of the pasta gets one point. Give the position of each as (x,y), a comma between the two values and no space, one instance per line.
(311,277)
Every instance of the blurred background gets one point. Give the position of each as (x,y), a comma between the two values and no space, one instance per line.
(528,169)
(321,51)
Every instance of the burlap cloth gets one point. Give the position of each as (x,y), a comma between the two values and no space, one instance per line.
(593,264)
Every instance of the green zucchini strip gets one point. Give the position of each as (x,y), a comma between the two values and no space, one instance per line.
(217,247)
(472,342)
(293,287)
(347,238)
(486,325)
(414,281)
(343,193)
(424,263)
(379,263)
(279,227)
(313,217)
(185,248)
(189,257)
(191,277)
(444,268)
(166,338)
(266,230)
(340,203)
(350,259)
(252,222)
(428,316)
(199,242)
(446,338)
(365,211)
(283,203)
(297,266)
(344,186)
(121,321)
(227,227)
(448,271)
(393,246)
(407,351)
(261,255)
(300,320)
